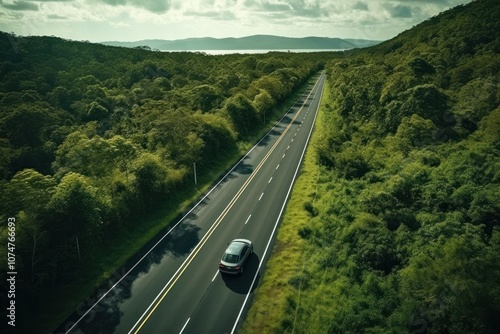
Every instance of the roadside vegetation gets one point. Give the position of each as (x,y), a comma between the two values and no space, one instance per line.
(98,145)
(394,224)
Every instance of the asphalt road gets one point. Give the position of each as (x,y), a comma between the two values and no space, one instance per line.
(175,287)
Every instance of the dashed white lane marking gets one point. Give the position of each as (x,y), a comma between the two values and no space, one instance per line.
(184,327)
(278,164)
(261,196)
(283,156)
(237,322)
(288,147)
(292,140)
(248,219)
(270,179)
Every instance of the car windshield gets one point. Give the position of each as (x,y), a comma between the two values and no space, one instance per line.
(231,258)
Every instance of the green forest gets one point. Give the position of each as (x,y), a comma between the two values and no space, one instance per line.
(394,224)
(98,141)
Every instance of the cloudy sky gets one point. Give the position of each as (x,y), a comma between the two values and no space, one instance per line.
(132,20)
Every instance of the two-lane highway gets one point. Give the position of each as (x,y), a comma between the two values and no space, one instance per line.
(175,287)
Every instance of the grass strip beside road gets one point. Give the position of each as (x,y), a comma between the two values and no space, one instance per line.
(289,255)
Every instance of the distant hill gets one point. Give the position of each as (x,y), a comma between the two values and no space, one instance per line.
(257,42)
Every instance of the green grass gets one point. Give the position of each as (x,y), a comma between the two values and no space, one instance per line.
(52,307)
(270,304)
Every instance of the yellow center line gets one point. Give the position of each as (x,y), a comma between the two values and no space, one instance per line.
(220,218)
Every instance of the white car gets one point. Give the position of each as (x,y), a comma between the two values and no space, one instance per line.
(235,256)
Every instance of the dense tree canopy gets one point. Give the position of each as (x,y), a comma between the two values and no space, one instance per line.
(403,227)
(93,138)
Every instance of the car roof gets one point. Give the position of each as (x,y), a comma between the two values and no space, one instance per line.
(236,245)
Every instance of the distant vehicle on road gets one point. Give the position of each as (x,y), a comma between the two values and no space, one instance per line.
(237,252)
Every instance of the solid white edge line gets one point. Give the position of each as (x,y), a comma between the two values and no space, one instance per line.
(161,239)
(215,276)
(187,258)
(184,327)
(277,220)
(176,224)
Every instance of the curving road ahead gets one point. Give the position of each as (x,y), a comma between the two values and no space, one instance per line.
(175,286)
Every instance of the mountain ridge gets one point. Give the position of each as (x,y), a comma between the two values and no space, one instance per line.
(254,42)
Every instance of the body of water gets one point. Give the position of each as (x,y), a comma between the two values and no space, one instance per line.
(225,52)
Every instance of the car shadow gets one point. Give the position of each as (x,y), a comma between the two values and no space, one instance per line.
(241,283)
(244,168)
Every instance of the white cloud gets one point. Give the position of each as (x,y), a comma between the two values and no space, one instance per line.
(154,6)
(19,5)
